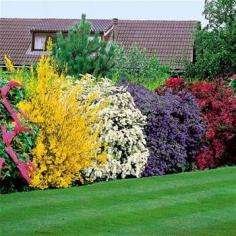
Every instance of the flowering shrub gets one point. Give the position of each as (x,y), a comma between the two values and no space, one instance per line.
(122,134)
(218,108)
(173,129)
(175,83)
(16,136)
(69,129)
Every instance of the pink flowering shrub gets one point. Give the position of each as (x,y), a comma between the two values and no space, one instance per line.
(16,139)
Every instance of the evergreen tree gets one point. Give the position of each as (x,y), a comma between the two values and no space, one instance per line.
(81,52)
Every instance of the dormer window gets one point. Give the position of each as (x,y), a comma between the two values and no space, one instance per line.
(39,41)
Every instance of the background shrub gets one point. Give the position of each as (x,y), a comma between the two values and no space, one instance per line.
(137,67)
(122,133)
(174,129)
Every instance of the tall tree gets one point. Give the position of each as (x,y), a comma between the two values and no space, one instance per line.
(216,43)
(82,52)
(220,13)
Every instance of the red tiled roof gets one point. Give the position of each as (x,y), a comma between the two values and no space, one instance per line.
(170,40)
(55,25)
(16,37)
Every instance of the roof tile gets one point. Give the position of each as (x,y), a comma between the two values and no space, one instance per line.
(15,35)
(171,41)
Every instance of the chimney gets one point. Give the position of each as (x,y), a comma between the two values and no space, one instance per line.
(115,26)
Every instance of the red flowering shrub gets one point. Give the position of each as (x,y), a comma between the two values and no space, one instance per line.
(218,108)
(175,83)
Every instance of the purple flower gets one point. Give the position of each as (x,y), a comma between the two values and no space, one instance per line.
(173,131)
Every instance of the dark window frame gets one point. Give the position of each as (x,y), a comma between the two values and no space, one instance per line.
(52,35)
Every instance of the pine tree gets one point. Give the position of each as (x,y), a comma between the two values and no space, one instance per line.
(81,52)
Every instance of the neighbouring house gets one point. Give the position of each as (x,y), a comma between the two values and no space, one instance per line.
(172,41)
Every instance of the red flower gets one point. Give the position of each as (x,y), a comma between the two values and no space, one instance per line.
(175,83)
(219,147)
(210,134)
(218,108)
(205,159)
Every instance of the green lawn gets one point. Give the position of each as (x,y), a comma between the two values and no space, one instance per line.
(200,203)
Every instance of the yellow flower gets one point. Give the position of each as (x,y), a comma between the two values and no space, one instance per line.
(68,140)
(8,63)
(49,44)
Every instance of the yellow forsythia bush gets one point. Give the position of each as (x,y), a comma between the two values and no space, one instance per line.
(68,140)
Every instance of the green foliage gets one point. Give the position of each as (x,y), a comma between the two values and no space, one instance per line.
(80,52)
(232,84)
(220,13)
(134,62)
(136,66)
(3,74)
(216,43)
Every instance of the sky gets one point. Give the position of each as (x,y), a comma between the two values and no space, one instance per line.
(105,9)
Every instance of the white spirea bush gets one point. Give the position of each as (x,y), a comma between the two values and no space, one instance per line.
(122,133)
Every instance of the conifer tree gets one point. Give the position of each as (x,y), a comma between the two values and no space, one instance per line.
(82,52)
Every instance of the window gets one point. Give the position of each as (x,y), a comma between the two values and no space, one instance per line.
(40,42)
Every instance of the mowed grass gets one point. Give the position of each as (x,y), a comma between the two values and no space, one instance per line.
(197,203)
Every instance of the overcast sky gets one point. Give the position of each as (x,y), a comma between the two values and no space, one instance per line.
(106,9)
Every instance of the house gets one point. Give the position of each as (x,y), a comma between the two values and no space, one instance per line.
(172,41)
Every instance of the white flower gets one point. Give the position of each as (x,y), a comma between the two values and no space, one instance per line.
(122,133)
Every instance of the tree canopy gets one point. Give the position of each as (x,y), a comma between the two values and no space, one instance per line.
(216,43)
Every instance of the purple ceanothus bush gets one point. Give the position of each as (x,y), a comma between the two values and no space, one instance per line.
(173,131)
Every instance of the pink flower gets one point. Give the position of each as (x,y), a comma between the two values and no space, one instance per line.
(2,161)
(20,128)
(4,91)
(24,170)
(13,84)
(7,105)
(12,154)
(7,136)
(23,167)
